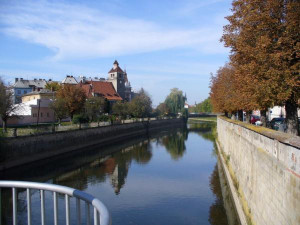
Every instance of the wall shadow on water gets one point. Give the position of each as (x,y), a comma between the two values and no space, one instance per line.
(222,211)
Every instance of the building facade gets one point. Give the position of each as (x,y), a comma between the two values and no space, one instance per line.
(22,87)
(119,79)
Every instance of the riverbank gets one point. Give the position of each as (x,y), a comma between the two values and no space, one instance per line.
(263,169)
(24,150)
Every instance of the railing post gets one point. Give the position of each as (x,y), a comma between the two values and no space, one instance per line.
(14,193)
(55,208)
(28,206)
(42,207)
(78,211)
(87,213)
(95,216)
(67,209)
(0,206)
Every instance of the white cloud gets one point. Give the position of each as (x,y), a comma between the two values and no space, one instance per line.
(75,31)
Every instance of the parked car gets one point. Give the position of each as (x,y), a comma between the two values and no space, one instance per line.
(254,118)
(277,122)
(258,123)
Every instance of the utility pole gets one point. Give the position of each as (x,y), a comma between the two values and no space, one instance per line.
(38,116)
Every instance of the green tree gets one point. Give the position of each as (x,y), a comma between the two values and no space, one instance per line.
(52,86)
(7,107)
(141,105)
(205,106)
(175,101)
(121,109)
(59,108)
(202,107)
(95,107)
(162,109)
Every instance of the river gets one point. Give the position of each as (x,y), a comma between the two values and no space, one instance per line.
(171,177)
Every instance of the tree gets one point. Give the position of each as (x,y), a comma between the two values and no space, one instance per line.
(141,105)
(264,41)
(162,109)
(175,101)
(121,109)
(7,107)
(205,106)
(223,90)
(202,107)
(74,98)
(59,108)
(94,107)
(52,86)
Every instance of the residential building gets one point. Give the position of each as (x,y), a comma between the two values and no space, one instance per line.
(33,111)
(42,94)
(70,80)
(22,87)
(100,88)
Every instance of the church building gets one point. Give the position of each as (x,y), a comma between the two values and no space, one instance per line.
(119,79)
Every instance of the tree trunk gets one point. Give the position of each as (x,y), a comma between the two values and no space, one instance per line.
(291,119)
(240,115)
(4,123)
(226,114)
(263,117)
(248,116)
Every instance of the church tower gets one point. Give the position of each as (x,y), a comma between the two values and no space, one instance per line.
(119,80)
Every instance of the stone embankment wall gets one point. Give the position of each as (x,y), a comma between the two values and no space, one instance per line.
(26,149)
(265,168)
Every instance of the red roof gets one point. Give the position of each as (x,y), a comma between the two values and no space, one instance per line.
(118,69)
(103,89)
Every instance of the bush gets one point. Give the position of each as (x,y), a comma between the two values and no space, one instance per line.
(112,118)
(103,118)
(80,118)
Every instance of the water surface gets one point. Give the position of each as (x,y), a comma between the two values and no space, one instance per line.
(171,177)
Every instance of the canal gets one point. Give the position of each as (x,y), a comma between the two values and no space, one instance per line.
(170,177)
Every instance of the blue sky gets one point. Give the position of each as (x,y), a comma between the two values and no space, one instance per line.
(162,43)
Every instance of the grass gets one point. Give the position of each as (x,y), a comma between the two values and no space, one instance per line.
(210,119)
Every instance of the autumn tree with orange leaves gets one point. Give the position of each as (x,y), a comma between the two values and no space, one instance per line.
(264,39)
(74,98)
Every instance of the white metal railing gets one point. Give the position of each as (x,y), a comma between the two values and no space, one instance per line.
(101,213)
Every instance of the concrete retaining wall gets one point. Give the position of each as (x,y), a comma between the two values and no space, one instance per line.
(266,168)
(22,150)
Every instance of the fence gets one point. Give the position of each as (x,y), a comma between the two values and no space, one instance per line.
(100,212)
(52,128)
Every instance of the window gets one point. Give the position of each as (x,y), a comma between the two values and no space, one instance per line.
(41,114)
(48,115)
(25,92)
(19,92)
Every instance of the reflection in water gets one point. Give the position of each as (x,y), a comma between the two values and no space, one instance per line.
(217,213)
(141,153)
(207,130)
(175,143)
(185,191)
(227,198)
